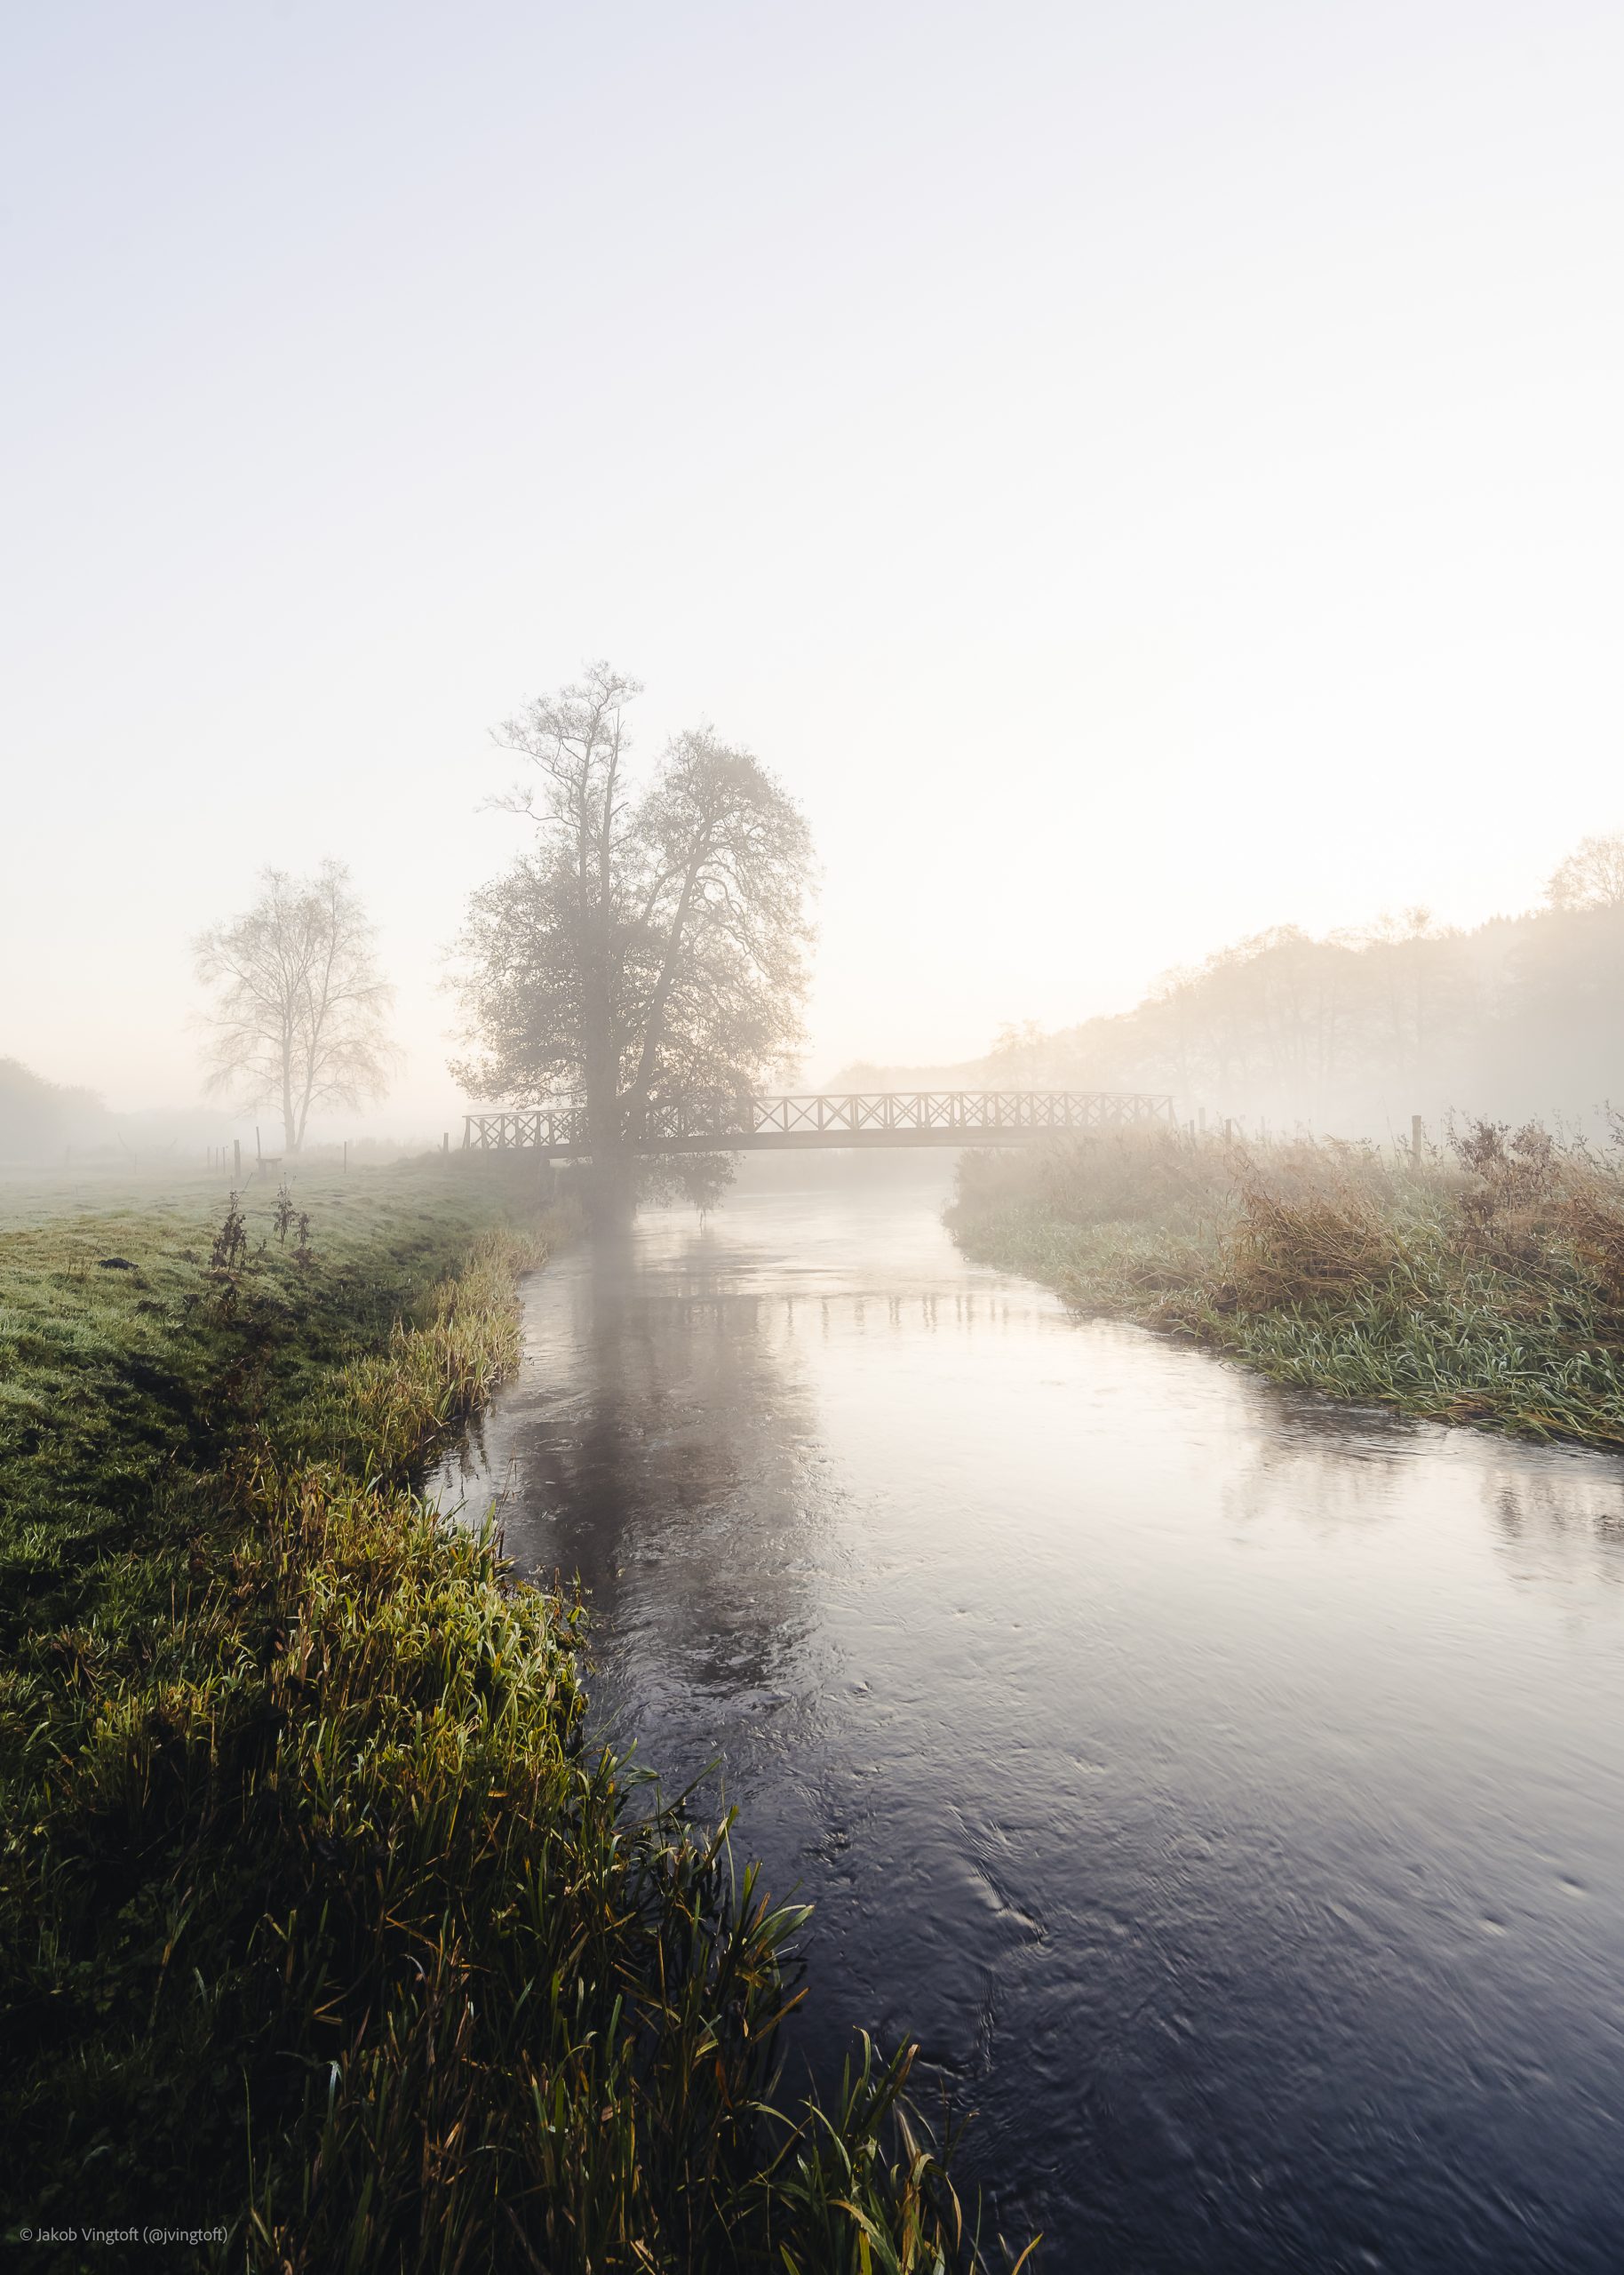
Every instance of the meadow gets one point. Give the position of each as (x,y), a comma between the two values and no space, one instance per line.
(323,1924)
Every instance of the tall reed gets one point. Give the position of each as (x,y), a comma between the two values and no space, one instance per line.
(1481,1283)
(322,1918)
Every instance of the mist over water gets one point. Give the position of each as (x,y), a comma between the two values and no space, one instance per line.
(1227,1790)
(572,574)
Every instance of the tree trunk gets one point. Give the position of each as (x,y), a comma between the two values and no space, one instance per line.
(611,1189)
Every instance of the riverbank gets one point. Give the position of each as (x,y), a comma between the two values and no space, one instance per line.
(322,1931)
(1484,1283)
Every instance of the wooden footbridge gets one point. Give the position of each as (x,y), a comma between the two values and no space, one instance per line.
(873,1118)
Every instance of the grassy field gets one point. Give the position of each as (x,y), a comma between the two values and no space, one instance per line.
(1483,1284)
(321,1923)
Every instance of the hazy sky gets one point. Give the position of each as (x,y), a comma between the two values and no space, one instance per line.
(1139,472)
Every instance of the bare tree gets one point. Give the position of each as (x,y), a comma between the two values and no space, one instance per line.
(1592,876)
(299,1008)
(651,942)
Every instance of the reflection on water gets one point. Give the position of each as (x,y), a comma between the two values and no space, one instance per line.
(1227,1790)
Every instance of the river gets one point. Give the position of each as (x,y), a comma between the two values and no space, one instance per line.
(1224,1788)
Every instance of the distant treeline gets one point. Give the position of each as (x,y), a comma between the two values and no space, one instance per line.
(39,1119)
(43,1122)
(1523,1017)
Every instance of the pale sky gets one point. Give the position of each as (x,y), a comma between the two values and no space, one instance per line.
(1138,473)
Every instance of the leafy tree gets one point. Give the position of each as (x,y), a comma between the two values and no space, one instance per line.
(651,942)
(301,1009)
(1592,876)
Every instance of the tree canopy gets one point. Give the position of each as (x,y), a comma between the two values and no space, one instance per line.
(299,1006)
(1592,876)
(651,941)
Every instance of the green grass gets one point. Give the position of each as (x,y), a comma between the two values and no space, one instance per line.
(117,1371)
(319,1917)
(1476,1289)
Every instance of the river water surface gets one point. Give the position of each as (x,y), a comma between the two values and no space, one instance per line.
(1226,1790)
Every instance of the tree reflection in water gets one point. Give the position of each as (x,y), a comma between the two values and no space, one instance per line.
(1225,1786)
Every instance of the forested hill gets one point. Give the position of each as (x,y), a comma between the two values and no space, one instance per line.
(1522,1018)
(45,1122)
(37,1118)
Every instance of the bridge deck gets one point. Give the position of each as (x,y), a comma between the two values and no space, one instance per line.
(862,1118)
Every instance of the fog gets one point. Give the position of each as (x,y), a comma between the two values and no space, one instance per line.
(1138,477)
(585,589)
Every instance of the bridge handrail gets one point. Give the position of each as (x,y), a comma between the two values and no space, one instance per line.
(563,1128)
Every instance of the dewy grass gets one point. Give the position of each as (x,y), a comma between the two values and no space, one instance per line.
(321,1920)
(1485,1284)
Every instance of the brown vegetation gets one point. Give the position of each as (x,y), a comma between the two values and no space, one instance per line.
(1484,1282)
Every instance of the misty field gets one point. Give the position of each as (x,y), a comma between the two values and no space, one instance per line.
(320,1916)
(1482,1282)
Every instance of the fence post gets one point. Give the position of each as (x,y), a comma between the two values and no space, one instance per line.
(236,1160)
(1415,1141)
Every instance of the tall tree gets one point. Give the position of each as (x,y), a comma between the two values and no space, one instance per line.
(650,942)
(1592,876)
(299,1008)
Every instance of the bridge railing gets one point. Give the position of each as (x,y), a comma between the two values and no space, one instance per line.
(932,1115)
(545,1129)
